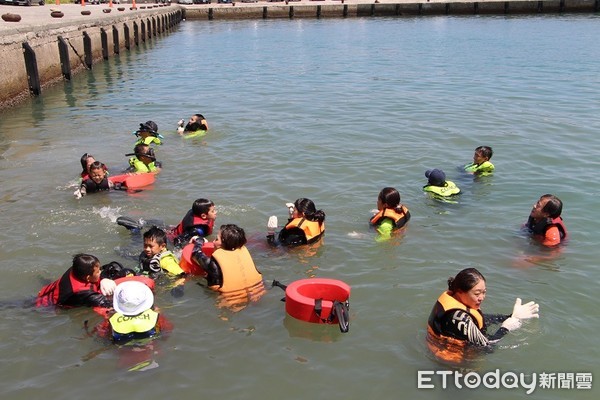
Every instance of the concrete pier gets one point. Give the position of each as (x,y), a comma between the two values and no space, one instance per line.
(41,49)
(379,8)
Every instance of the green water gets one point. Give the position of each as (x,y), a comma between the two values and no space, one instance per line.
(332,110)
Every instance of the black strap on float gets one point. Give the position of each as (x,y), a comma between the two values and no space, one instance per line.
(279,285)
(339,310)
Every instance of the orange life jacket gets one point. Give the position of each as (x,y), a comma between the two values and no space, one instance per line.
(237,268)
(400,219)
(312,229)
(445,347)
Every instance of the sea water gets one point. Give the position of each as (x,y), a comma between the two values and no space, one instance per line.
(333,110)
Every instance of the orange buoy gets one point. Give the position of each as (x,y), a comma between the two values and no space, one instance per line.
(190,266)
(319,300)
(10,17)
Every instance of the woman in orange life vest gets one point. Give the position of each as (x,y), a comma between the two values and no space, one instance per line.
(545,222)
(306,224)
(456,320)
(230,270)
(391,214)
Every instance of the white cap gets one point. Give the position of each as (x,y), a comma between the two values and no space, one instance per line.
(132,298)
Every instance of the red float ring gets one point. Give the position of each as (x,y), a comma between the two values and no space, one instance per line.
(301,296)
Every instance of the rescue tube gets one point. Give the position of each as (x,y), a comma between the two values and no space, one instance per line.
(133,181)
(194,134)
(319,300)
(140,278)
(188,265)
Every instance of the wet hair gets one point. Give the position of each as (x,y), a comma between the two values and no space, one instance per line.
(465,280)
(201,206)
(232,237)
(195,126)
(97,165)
(485,151)
(198,125)
(84,159)
(309,211)
(156,234)
(553,206)
(390,197)
(144,150)
(83,265)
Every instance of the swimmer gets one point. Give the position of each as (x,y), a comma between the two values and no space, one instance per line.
(305,225)
(545,222)
(80,286)
(148,134)
(391,214)
(196,123)
(457,320)
(437,183)
(481,164)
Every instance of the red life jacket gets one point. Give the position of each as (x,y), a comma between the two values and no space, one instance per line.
(68,291)
(541,227)
(190,223)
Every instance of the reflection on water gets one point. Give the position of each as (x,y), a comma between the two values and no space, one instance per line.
(332,110)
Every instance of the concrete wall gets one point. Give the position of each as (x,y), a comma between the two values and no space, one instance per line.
(312,9)
(18,83)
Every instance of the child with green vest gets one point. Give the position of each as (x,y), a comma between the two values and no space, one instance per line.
(481,164)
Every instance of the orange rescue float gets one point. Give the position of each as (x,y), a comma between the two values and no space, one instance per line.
(188,265)
(319,300)
(134,181)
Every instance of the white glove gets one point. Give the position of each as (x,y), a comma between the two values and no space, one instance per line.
(180,123)
(198,239)
(512,324)
(107,286)
(525,311)
(272,223)
(180,130)
(290,207)
(77,194)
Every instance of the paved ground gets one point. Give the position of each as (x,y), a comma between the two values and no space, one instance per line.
(39,16)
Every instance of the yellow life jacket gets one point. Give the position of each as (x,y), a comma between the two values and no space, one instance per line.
(144,322)
(140,166)
(484,167)
(312,229)
(169,263)
(400,219)
(237,268)
(448,189)
(148,140)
